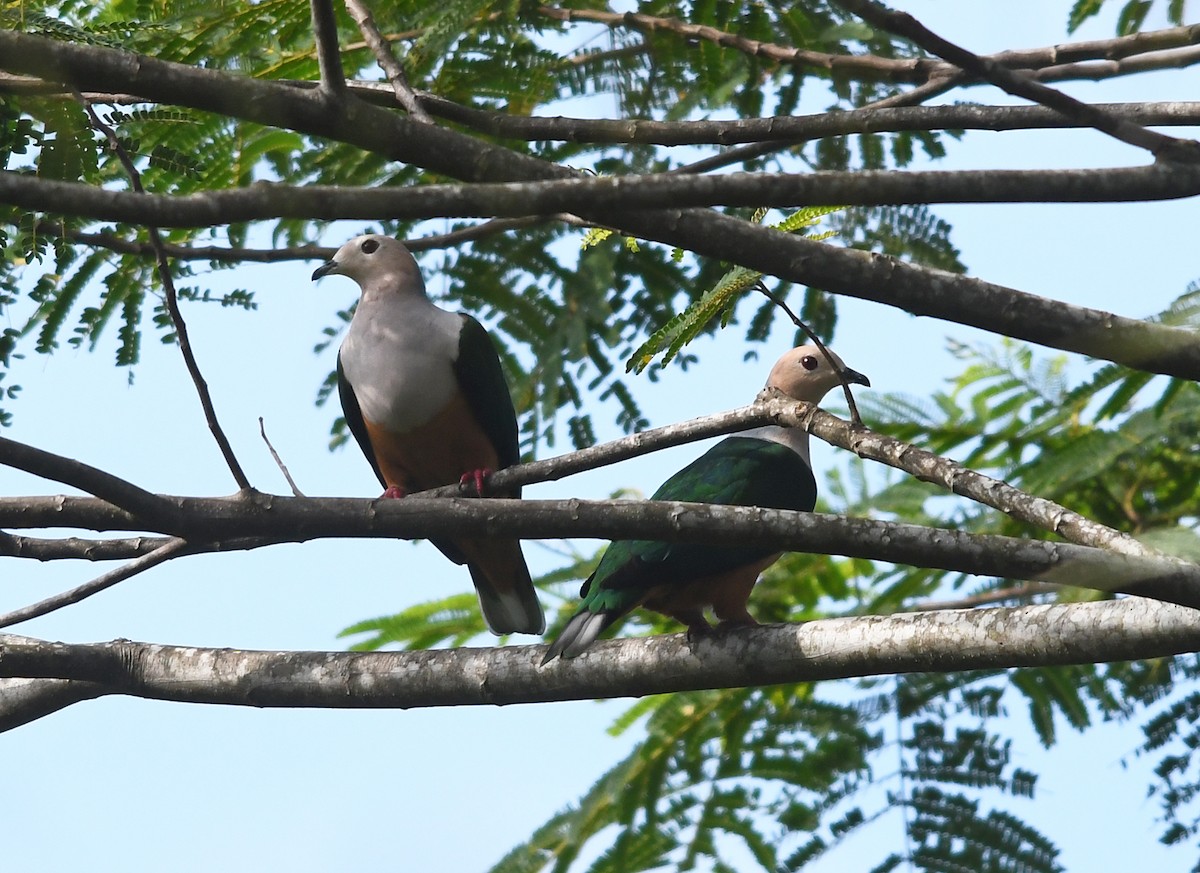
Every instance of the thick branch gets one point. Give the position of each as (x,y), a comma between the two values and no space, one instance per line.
(874,277)
(944,641)
(266,519)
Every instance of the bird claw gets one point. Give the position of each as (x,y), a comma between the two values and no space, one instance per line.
(394,492)
(735,623)
(698,630)
(477,478)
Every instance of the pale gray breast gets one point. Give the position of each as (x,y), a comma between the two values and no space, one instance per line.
(398,356)
(795,438)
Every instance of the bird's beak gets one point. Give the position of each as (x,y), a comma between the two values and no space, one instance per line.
(850,376)
(325,269)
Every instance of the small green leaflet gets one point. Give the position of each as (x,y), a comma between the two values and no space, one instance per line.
(721,298)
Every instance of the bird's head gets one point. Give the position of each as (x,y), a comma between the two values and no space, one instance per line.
(374,262)
(804,373)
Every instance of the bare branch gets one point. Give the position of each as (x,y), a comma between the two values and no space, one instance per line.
(387,60)
(901,23)
(292,519)
(1097,70)
(115,243)
(136,501)
(262,429)
(25,700)
(632,192)
(172,301)
(170,549)
(944,641)
(892,114)
(80,548)
(949,474)
(329,57)
(855,418)
(989,598)
(909,98)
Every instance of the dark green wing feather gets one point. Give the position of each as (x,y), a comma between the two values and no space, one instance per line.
(482,381)
(354,419)
(739,471)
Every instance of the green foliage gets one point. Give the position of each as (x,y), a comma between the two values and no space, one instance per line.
(599,310)
(718,300)
(1133,14)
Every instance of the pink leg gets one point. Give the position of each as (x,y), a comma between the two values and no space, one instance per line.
(393,492)
(477,478)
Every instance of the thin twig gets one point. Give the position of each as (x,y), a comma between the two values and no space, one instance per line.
(901,23)
(115,243)
(329,58)
(760,285)
(172,301)
(262,429)
(742,154)
(170,549)
(988,598)
(387,60)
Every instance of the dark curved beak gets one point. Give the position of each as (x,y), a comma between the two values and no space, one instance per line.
(855,377)
(325,269)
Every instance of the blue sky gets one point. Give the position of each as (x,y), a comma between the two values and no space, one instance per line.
(130,785)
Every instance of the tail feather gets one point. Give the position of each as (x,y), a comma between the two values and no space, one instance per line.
(515,611)
(581,631)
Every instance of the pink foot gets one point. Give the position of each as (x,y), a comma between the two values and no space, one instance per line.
(476,478)
(393,492)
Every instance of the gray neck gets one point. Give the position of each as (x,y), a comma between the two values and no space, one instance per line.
(795,438)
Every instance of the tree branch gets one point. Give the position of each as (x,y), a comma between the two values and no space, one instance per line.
(274,519)
(172,301)
(901,23)
(237,254)
(329,57)
(170,549)
(913,70)
(80,548)
(794,129)
(387,60)
(873,277)
(608,193)
(25,700)
(138,502)
(944,641)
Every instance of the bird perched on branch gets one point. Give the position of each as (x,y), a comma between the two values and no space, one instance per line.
(426,399)
(768,466)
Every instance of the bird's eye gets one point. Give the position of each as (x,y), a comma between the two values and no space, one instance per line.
(369,245)
(809,362)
